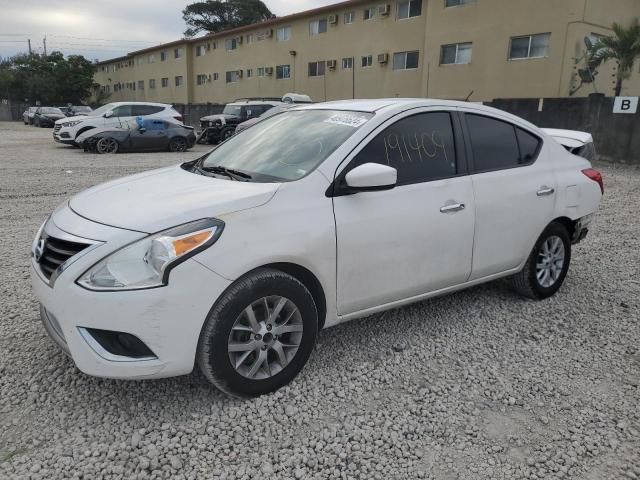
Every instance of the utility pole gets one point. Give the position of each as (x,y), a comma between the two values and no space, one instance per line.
(29,46)
(44,43)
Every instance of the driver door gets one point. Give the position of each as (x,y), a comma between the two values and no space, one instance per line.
(417,237)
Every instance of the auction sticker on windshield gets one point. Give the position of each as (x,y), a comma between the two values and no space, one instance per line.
(348,119)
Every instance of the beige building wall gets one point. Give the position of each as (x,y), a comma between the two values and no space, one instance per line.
(488,24)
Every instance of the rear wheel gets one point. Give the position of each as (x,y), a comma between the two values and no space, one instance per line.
(107,145)
(547,265)
(178,144)
(259,334)
(226,133)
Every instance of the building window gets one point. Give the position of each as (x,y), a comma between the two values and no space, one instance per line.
(179,80)
(163,56)
(249,38)
(529,46)
(283,71)
(140,84)
(231,43)
(457,3)
(261,36)
(164,82)
(367,61)
(283,34)
(349,17)
(152,83)
(405,60)
(409,8)
(249,72)
(232,76)
(201,79)
(215,76)
(316,27)
(458,54)
(316,69)
(177,53)
(152,58)
(369,13)
(260,72)
(347,63)
(200,50)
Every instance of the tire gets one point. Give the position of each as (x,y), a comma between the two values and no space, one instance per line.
(228,324)
(107,145)
(226,133)
(540,283)
(178,144)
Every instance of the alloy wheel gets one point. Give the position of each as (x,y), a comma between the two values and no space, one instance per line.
(178,145)
(107,145)
(265,337)
(550,261)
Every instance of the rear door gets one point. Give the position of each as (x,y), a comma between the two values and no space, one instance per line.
(515,189)
(413,239)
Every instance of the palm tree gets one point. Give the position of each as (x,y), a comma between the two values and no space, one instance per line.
(623,46)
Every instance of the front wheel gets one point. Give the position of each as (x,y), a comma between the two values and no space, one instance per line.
(259,334)
(547,265)
(226,133)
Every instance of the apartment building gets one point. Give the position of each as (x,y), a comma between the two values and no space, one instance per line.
(456,49)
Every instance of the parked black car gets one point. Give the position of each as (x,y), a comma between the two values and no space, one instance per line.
(217,128)
(145,135)
(47,116)
(79,110)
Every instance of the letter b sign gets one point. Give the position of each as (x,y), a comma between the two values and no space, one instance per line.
(625,105)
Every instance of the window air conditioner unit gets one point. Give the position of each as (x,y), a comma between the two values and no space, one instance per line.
(383,58)
(384,9)
(269,71)
(333,19)
(331,64)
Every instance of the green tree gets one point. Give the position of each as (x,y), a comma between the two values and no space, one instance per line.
(51,79)
(623,46)
(213,16)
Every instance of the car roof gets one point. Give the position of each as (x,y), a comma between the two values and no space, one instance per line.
(256,102)
(153,104)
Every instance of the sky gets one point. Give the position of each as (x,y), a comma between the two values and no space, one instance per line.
(103,29)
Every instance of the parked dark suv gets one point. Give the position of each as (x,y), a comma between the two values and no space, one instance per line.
(216,128)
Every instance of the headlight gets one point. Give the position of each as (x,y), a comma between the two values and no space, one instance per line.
(146,263)
(72,124)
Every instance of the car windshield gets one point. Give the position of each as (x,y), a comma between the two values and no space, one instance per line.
(99,111)
(51,110)
(288,146)
(232,110)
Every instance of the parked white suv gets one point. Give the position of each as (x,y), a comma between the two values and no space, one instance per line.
(110,115)
(310,218)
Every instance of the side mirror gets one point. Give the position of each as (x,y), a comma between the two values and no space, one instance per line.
(108,114)
(142,129)
(371,177)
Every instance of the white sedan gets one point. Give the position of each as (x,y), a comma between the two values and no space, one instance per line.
(313,217)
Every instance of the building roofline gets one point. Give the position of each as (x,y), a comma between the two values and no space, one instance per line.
(244,28)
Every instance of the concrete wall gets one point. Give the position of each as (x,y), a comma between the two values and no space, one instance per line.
(616,135)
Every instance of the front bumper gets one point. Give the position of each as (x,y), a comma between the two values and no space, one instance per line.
(168,320)
(63,135)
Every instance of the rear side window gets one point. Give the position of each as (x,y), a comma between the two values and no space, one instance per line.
(421,148)
(141,110)
(499,145)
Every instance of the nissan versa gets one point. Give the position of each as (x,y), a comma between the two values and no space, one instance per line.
(315,216)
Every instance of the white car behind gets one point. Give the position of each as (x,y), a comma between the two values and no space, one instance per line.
(110,115)
(322,214)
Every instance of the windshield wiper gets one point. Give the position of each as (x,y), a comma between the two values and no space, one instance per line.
(229,172)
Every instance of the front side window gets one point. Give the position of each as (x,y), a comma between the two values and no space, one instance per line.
(122,111)
(317,69)
(420,147)
(349,17)
(457,54)
(405,60)
(497,145)
(409,9)
(367,61)
(530,46)
(287,146)
(283,71)
(316,27)
(283,34)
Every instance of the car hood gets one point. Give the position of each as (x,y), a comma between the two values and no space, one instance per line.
(53,116)
(71,119)
(220,116)
(159,199)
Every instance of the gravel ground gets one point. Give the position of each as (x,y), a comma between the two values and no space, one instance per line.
(481,384)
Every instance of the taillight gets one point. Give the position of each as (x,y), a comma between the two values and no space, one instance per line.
(178,118)
(596,176)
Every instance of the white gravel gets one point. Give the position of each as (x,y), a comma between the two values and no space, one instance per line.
(481,384)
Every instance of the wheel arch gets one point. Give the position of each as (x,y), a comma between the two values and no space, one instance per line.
(82,130)
(566,222)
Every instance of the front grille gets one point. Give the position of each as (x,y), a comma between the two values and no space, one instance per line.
(57,128)
(56,251)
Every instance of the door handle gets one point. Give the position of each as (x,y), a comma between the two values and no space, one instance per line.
(544,191)
(452,208)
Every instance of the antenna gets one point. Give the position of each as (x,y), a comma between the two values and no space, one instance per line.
(44,44)
(469,96)
(29,41)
